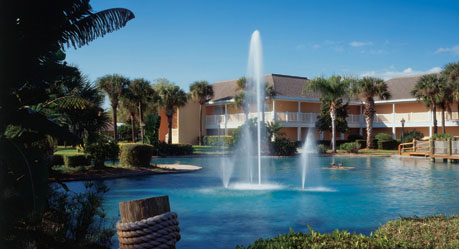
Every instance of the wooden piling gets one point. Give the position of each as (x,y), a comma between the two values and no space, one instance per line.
(432,149)
(414,144)
(140,209)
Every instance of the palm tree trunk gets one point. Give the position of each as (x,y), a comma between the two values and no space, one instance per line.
(132,128)
(434,110)
(200,125)
(169,125)
(115,128)
(369,117)
(141,122)
(443,119)
(333,120)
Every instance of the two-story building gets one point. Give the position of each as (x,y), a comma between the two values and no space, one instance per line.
(296,111)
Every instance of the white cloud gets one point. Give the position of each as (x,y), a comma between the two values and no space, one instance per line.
(316,46)
(360,44)
(388,74)
(300,46)
(453,50)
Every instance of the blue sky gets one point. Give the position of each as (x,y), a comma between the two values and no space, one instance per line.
(185,41)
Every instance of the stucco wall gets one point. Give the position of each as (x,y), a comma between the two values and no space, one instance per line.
(383,108)
(410,107)
(310,107)
(286,106)
(188,123)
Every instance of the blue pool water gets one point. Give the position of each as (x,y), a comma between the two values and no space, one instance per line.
(378,190)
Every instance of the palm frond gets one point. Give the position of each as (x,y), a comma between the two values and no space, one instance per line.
(96,25)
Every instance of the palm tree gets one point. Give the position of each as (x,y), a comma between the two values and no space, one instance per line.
(270,94)
(202,92)
(333,90)
(446,99)
(239,99)
(428,90)
(129,104)
(113,85)
(451,71)
(170,98)
(367,89)
(142,94)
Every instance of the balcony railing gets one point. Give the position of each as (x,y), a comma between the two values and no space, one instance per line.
(309,118)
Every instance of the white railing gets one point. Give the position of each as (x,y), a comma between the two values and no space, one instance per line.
(353,119)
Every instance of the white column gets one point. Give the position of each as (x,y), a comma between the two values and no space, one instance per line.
(226,119)
(394,135)
(274,110)
(430,123)
(342,136)
(321,135)
(298,114)
(299,134)
(393,132)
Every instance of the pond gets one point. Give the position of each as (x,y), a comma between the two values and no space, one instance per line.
(377,190)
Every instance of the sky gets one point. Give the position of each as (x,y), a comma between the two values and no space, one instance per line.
(187,41)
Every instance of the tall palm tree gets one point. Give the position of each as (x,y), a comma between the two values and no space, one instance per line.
(446,98)
(270,94)
(367,89)
(170,98)
(114,85)
(202,92)
(240,98)
(428,90)
(332,91)
(129,104)
(451,71)
(142,94)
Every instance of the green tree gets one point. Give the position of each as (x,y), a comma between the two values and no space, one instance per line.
(324,123)
(451,71)
(332,91)
(270,94)
(129,103)
(114,85)
(201,92)
(367,89)
(240,98)
(428,90)
(142,94)
(170,98)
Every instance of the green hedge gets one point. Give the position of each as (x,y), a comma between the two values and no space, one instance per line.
(442,136)
(284,147)
(388,145)
(76,160)
(383,136)
(350,147)
(175,149)
(429,232)
(363,143)
(353,137)
(136,155)
(217,140)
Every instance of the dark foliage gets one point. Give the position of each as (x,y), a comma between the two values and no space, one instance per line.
(353,137)
(217,140)
(166,149)
(152,124)
(101,149)
(351,147)
(414,134)
(324,123)
(283,147)
(136,155)
(76,160)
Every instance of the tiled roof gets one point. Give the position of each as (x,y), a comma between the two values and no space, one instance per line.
(400,87)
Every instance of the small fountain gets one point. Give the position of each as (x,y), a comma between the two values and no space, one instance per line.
(309,148)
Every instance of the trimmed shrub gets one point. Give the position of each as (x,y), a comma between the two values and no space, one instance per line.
(328,142)
(217,140)
(57,160)
(283,147)
(76,160)
(388,145)
(363,143)
(321,149)
(101,149)
(414,134)
(136,155)
(442,136)
(353,137)
(166,149)
(352,147)
(383,137)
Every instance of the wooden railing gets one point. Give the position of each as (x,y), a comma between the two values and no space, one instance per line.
(402,148)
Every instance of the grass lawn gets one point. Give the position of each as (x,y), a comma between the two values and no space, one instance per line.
(370,152)
(67,151)
(205,149)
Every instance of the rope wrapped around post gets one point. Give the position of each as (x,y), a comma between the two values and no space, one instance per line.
(148,223)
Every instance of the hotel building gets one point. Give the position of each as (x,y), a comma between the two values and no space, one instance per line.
(297,112)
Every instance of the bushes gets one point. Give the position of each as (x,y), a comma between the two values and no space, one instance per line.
(102,148)
(388,145)
(442,137)
(57,160)
(175,149)
(321,149)
(414,134)
(429,232)
(136,155)
(76,160)
(217,140)
(283,147)
(352,147)
(353,137)
(383,137)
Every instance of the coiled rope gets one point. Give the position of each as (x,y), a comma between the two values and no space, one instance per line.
(160,231)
